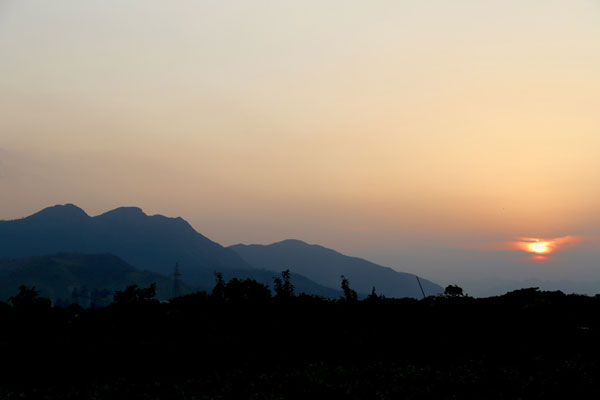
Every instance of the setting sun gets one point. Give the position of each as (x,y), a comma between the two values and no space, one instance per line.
(542,248)
(539,247)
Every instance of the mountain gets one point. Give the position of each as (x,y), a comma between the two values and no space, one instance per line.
(154,243)
(325,266)
(56,276)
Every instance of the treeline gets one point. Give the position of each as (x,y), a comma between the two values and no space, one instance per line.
(236,290)
(242,340)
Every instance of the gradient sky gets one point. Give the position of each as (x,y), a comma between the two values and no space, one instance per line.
(418,134)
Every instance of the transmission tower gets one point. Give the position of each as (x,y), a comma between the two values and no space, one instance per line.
(176,281)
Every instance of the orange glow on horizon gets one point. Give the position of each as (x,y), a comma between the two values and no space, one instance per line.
(539,247)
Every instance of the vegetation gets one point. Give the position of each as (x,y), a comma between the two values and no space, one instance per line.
(283,287)
(453,291)
(241,341)
(349,294)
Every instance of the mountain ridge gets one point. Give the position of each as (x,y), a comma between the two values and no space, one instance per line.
(325,266)
(153,243)
(156,242)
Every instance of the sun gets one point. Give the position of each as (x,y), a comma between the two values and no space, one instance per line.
(543,248)
(539,247)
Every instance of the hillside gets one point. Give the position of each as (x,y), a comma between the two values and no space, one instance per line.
(325,266)
(56,276)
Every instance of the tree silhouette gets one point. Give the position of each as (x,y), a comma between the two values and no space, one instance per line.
(28,298)
(284,288)
(246,290)
(218,292)
(453,291)
(135,295)
(373,296)
(349,294)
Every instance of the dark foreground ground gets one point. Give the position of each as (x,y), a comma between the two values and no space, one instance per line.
(245,344)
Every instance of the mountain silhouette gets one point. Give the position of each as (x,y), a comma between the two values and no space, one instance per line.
(57,276)
(154,243)
(325,266)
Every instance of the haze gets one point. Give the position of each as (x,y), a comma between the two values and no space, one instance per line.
(416,134)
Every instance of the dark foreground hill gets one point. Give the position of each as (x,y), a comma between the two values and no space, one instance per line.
(61,275)
(325,266)
(154,243)
(243,343)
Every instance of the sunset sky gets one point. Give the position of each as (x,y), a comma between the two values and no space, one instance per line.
(435,137)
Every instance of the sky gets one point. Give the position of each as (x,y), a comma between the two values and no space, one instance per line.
(428,136)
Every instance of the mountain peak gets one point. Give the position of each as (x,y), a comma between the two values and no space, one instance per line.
(121,212)
(61,211)
(287,243)
(292,242)
(299,245)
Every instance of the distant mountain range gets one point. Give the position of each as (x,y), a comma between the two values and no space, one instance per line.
(325,266)
(155,243)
